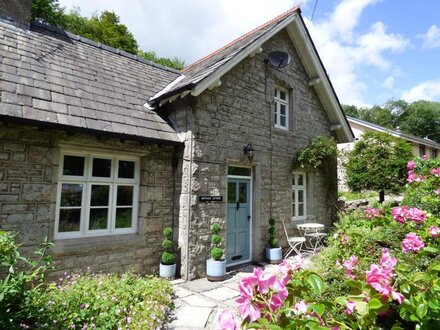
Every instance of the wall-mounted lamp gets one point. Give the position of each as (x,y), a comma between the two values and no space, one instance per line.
(249,151)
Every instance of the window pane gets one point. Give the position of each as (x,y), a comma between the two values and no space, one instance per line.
(300,180)
(98,219)
(126,169)
(300,210)
(293,210)
(243,171)
(242,192)
(275,114)
(283,121)
(69,220)
(123,217)
(282,109)
(231,192)
(71,194)
(300,196)
(293,196)
(100,195)
(282,95)
(125,195)
(102,167)
(73,165)
(293,179)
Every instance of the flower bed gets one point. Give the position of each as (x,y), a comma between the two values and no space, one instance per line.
(380,271)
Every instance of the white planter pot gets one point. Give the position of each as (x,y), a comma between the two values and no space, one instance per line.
(215,270)
(275,255)
(167,271)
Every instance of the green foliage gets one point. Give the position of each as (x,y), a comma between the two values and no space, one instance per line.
(272,241)
(423,194)
(18,275)
(174,62)
(102,301)
(105,28)
(168,256)
(316,155)
(49,12)
(378,162)
(216,240)
(420,118)
(216,253)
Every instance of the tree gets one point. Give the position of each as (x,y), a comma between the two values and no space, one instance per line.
(378,162)
(105,28)
(350,110)
(422,118)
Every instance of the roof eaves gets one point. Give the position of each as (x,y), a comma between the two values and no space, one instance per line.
(245,51)
(346,134)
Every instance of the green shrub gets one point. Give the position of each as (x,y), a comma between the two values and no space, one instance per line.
(272,241)
(216,240)
(168,256)
(102,301)
(18,276)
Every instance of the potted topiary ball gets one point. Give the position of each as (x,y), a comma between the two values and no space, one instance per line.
(216,266)
(274,253)
(167,266)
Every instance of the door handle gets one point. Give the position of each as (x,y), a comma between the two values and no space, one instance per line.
(238,205)
(249,218)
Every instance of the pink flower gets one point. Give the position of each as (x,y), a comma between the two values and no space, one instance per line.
(424,157)
(412,242)
(435,172)
(286,269)
(351,306)
(379,277)
(412,177)
(437,191)
(224,320)
(416,215)
(247,286)
(301,307)
(371,213)
(400,213)
(434,231)
(349,264)
(411,165)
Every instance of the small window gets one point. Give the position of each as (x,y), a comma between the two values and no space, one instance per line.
(299,196)
(422,150)
(96,199)
(240,171)
(433,153)
(281,108)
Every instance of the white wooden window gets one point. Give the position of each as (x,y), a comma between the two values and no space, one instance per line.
(97,195)
(299,196)
(281,108)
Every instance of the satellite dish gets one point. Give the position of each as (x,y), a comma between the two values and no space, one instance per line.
(278,59)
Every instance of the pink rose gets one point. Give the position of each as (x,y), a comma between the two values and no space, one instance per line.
(412,242)
(400,213)
(434,231)
(416,215)
(435,172)
(224,320)
(411,165)
(351,306)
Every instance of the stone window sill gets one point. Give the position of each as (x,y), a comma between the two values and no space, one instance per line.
(86,245)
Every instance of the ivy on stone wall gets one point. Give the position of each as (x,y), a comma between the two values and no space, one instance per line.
(317,153)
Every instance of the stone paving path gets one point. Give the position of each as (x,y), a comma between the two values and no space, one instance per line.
(198,301)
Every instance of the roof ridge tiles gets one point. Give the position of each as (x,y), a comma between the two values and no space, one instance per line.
(100,45)
(277,18)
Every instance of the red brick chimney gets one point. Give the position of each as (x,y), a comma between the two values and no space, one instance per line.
(18,11)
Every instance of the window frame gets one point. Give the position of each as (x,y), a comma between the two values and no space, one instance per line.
(87,181)
(278,101)
(295,188)
(422,150)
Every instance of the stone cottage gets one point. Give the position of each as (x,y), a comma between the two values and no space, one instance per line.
(100,150)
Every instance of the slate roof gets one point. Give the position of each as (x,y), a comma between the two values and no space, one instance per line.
(406,136)
(51,77)
(202,68)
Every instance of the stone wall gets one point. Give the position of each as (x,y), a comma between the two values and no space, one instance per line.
(218,123)
(29,160)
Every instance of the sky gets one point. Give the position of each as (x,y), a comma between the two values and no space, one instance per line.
(373,50)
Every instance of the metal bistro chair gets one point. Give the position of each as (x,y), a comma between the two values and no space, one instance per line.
(294,242)
(312,232)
